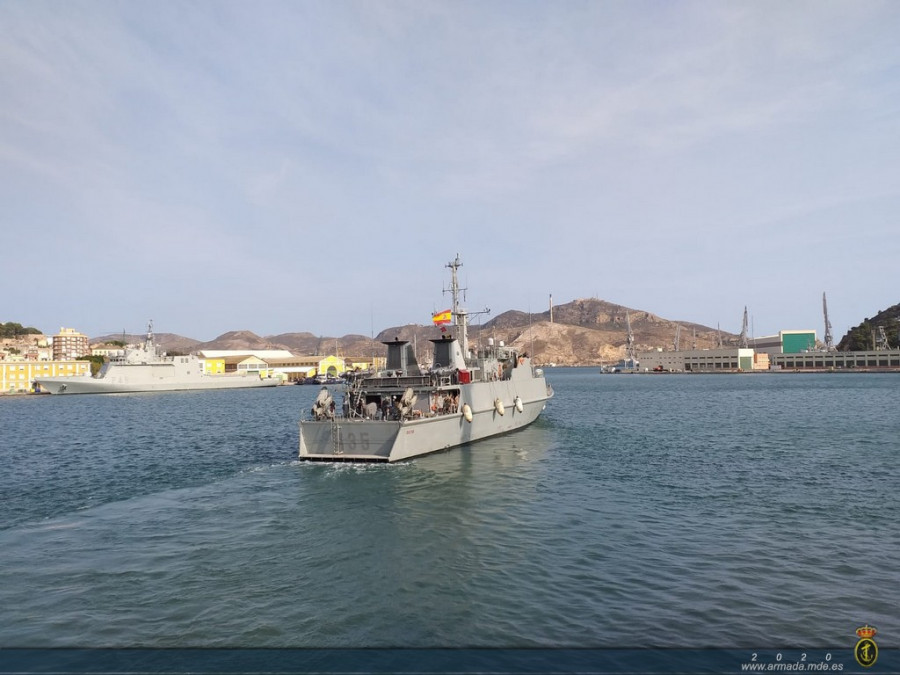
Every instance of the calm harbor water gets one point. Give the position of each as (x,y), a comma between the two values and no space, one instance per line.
(725,511)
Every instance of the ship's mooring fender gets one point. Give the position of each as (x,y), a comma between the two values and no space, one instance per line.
(467,412)
(518,403)
(498,406)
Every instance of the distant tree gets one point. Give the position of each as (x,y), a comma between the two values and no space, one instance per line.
(96,360)
(862,337)
(10,329)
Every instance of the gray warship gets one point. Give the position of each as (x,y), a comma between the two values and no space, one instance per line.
(405,411)
(144,368)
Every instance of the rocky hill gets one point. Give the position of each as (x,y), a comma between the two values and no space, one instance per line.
(866,334)
(583,332)
(169,342)
(237,339)
(587,331)
(593,332)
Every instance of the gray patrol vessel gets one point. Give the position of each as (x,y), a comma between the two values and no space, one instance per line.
(406,410)
(144,368)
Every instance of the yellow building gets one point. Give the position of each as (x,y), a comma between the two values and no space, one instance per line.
(332,366)
(246,365)
(299,368)
(214,366)
(19,375)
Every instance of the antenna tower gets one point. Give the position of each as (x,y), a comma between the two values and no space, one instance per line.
(677,341)
(881,342)
(829,338)
(460,315)
(629,344)
(744,342)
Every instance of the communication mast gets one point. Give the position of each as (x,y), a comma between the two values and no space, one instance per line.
(460,315)
(829,338)
(744,342)
(630,361)
(881,342)
(677,340)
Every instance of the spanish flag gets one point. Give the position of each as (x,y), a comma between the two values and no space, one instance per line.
(440,318)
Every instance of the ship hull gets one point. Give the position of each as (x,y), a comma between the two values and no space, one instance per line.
(91,385)
(144,369)
(356,440)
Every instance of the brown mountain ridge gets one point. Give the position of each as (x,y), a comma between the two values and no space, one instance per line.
(583,332)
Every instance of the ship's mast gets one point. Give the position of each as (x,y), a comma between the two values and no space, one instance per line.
(829,338)
(460,316)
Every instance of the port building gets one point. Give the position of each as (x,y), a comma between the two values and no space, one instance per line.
(868,360)
(722,360)
(18,376)
(786,342)
(281,362)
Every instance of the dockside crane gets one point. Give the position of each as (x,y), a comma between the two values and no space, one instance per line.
(829,338)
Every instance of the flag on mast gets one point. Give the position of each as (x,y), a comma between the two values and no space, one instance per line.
(441,318)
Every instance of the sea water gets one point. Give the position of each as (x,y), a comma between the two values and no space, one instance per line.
(670,511)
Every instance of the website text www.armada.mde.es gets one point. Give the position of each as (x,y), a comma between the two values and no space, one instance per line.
(754,666)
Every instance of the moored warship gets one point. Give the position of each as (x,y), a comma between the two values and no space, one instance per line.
(144,368)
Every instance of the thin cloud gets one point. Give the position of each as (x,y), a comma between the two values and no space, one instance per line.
(312,133)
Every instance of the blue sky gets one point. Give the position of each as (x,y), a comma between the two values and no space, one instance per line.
(313,165)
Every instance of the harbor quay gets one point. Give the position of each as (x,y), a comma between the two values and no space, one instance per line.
(749,360)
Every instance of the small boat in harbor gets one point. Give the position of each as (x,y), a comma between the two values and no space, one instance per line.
(404,411)
(144,368)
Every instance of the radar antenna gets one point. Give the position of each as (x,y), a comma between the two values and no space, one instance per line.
(829,338)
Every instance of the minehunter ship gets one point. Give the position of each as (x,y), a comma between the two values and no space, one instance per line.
(144,368)
(407,410)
